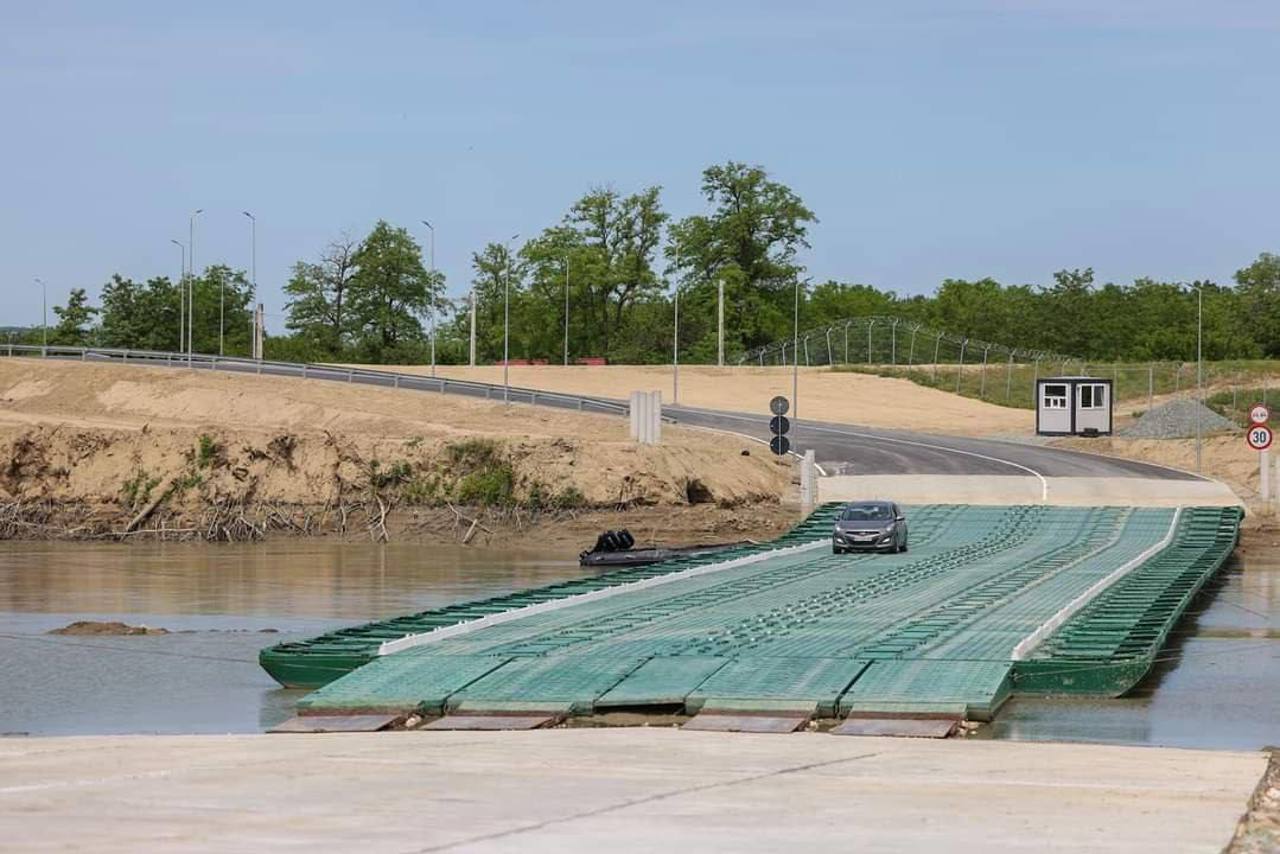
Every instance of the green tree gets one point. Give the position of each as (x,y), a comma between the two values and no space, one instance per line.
(140,316)
(319,291)
(606,244)
(223,311)
(74,320)
(1069,306)
(1259,286)
(391,291)
(494,269)
(749,242)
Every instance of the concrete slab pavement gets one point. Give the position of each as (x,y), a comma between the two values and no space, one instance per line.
(1006,489)
(619,790)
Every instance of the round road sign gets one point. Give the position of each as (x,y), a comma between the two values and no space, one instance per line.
(1259,414)
(779,405)
(780,445)
(779,424)
(1259,437)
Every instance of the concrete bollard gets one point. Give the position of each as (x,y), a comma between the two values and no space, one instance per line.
(646,417)
(655,417)
(808,479)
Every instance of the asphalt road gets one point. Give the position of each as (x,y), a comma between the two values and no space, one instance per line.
(839,448)
(847,449)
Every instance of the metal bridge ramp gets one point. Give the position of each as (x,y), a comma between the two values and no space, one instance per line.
(965,690)
(410,681)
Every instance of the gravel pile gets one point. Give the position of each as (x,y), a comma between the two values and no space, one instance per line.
(1176,420)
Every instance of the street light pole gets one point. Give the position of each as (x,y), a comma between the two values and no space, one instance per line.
(44,314)
(720,325)
(795,363)
(566,311)
(473,325)
(253,277)
(506,325)
(191,270)
(1199,372)
(432,294)
(182,294)
(675,351)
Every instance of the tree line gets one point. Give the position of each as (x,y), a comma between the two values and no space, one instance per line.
(612,264)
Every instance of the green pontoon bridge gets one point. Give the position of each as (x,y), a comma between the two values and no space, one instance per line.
(990,601)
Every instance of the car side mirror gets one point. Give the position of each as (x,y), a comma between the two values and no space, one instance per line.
(901,519)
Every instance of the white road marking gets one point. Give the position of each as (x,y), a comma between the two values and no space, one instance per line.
(1044,483)
(1049,626)
(411,641)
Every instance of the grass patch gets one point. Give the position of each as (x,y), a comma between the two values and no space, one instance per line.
(1235,403)
(489,487)
(136,491)
(208,451)
(397,473)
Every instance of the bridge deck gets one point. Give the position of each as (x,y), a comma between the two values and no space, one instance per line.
(791,627)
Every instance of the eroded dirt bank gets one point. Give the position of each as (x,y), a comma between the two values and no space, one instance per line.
(91,451)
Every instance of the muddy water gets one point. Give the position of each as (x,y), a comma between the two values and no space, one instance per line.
(1218,686)
(221,605)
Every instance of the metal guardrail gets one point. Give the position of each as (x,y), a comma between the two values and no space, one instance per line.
(319,371)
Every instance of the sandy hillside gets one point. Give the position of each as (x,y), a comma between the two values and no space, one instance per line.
(120,435)
(850,398)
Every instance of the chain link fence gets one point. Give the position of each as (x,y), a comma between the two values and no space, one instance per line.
(892,346)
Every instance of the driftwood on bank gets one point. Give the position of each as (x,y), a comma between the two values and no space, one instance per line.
(165,489)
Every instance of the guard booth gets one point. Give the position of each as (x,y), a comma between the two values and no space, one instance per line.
(1074,406)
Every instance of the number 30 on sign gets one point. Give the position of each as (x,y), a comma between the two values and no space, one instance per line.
(1259,437)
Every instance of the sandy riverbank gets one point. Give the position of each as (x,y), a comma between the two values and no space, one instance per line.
(88,450)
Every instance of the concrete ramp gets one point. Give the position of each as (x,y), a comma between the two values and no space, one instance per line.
(1016,489)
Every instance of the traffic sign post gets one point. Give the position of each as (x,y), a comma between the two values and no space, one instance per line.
(1259,414)
(779,425)
(1259,437)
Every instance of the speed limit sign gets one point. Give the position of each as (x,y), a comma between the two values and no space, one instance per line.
(1259,414)
(1259,437)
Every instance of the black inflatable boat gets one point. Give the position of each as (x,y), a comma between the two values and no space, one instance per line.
(616,549)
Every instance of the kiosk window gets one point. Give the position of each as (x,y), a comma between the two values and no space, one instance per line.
(1093,396)
(1055,397)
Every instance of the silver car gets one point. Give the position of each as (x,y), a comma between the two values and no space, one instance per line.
(870,525)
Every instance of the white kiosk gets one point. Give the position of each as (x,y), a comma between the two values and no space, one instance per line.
(1074,406)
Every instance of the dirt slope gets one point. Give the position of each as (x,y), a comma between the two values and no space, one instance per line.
(115,438)
(825,395)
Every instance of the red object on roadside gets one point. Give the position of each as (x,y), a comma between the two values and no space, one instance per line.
(596,361)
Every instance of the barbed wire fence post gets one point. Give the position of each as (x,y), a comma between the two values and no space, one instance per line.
(1008,380)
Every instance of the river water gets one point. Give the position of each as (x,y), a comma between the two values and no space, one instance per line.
(1218,687)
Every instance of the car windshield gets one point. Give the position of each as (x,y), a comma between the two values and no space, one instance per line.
(866,513)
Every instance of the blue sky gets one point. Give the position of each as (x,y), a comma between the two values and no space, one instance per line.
(991,137)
